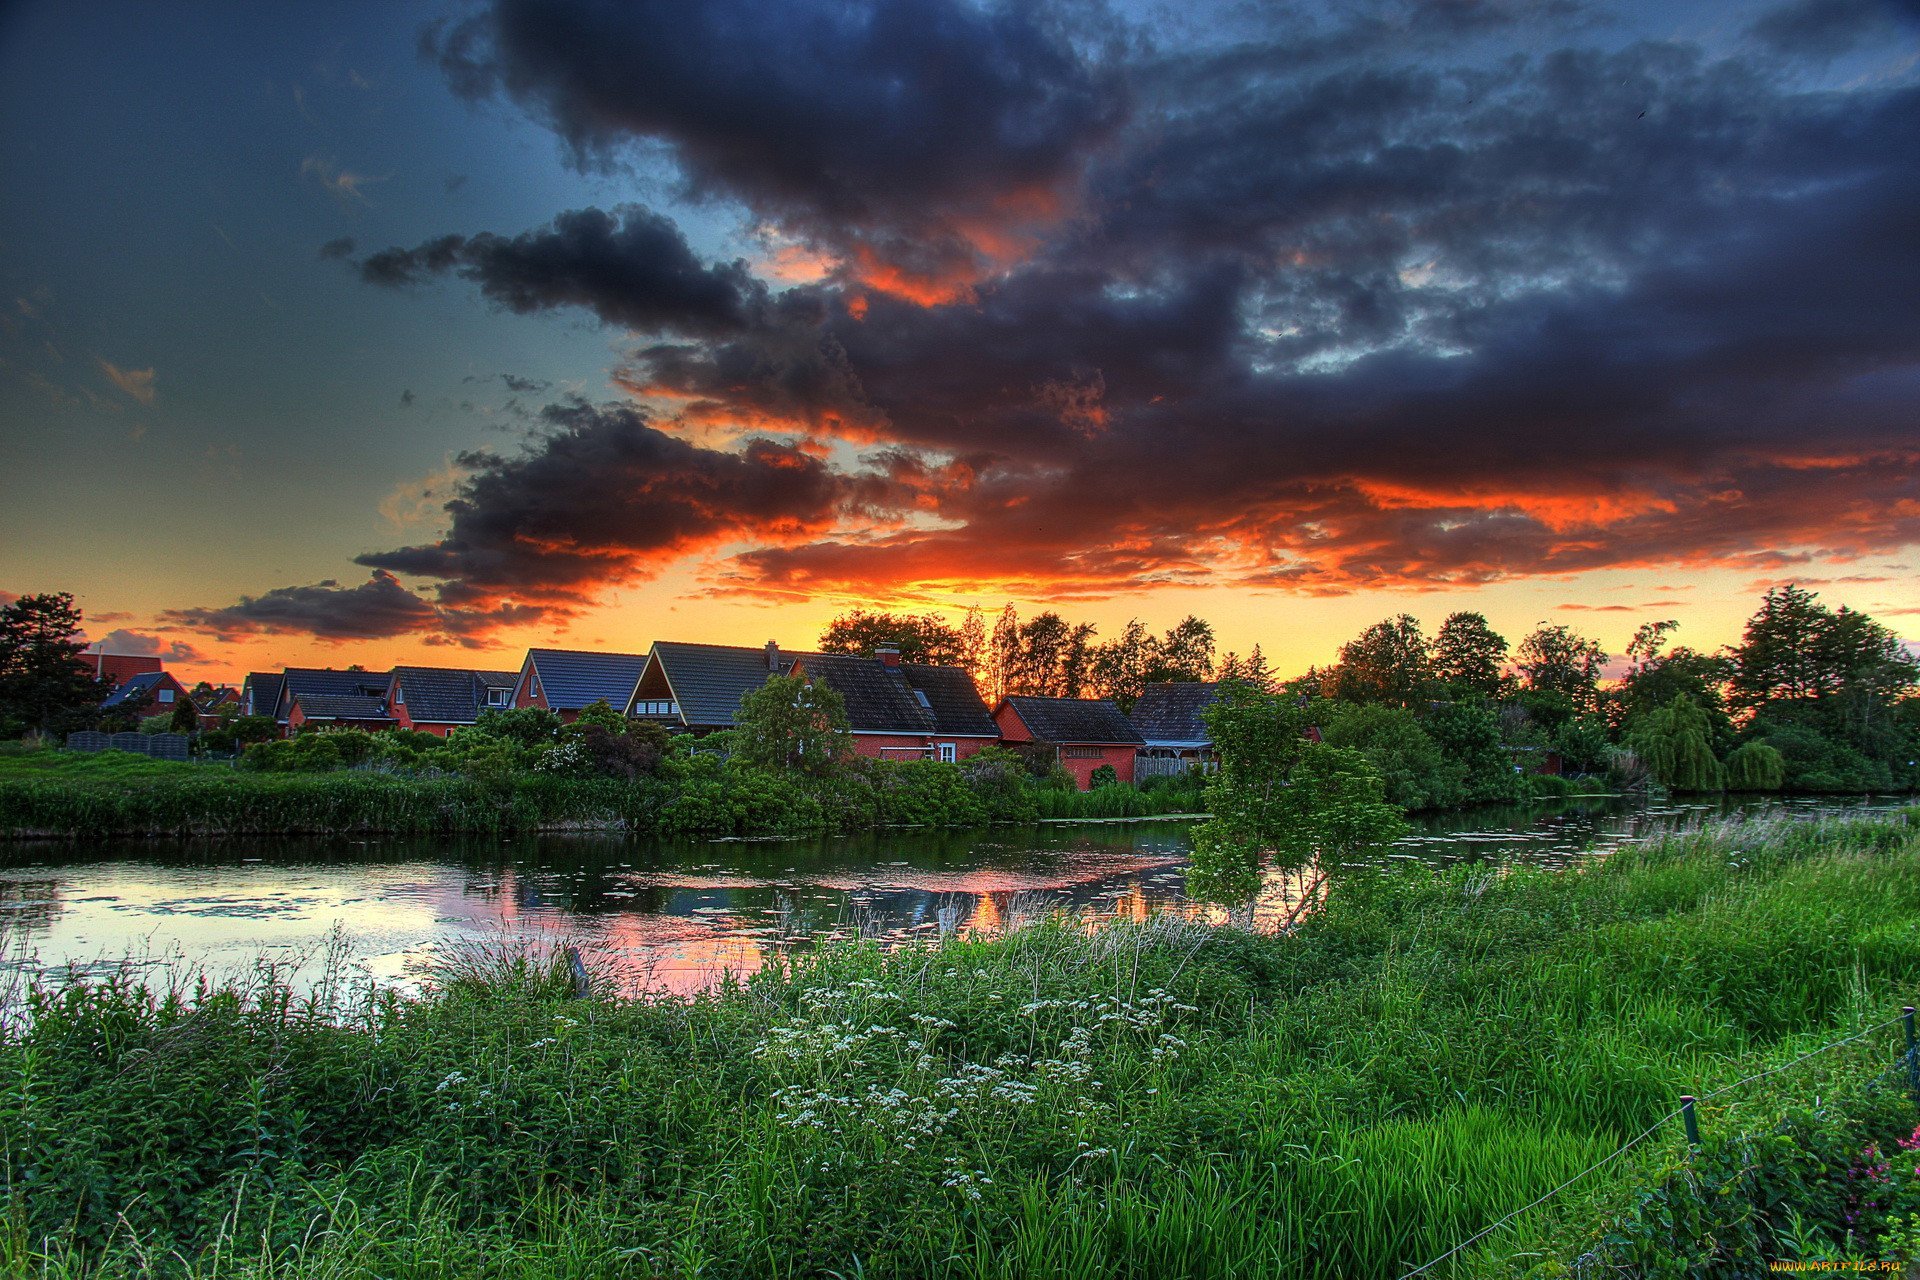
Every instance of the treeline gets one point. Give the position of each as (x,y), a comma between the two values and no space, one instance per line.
(1045,655)
(1811,699)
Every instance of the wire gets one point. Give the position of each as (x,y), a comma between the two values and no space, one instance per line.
(1644,1134)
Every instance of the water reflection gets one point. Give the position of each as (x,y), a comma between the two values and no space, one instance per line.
(677,915)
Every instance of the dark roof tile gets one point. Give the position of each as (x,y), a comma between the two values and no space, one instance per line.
(1063,720)
(574,678)
(1169,714)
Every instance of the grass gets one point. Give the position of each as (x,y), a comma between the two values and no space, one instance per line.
(1428,1053)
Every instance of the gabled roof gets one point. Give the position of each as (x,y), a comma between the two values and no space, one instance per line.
(213,698)
(264,686)
(498,679)
(343,706)
(305,684)
(574,678)
(708,680)
(1168,714)
(137,689)
(441,695)
(905,698)
(1061,720)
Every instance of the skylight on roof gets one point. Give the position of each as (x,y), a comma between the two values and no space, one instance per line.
(921,694)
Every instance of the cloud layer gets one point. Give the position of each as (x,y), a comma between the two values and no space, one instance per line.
(1411,298)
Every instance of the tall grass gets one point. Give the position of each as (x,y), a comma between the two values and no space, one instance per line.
(1426,1054)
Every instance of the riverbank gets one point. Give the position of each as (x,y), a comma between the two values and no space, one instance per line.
(1164,1099)
(53,795)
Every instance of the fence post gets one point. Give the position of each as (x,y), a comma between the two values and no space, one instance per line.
(1691,1121)
(1913,1059)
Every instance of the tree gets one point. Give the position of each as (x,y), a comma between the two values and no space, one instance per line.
(1274,793)
(1121,666)
(1039,663)
(1388,662)
(970,653)
(1252,669)
(1676,744)
(1413,770)
(1003,655)
(1756,767)
(43,685)
(1558,660)
(527,726)
(1185,653)
(919,637)
(1469,734)
(1469,657)
(792,724)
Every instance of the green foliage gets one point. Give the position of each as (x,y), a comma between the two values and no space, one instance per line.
(43,685)
(1756,767)
(1105,776)
(1420,1057)
(1275,794)
(1676,744)
(919,637)
(1817,763)
(790,724)
(1558,660)
(527,726)
(599,713)
(1582,743)
(162,723)
(1469,656)
(1468,734)
(1415,773)
(1389,662)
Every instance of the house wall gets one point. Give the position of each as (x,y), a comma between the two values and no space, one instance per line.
(1120,757)
(903,746)
(1014,729)
(523,694)
(153,706)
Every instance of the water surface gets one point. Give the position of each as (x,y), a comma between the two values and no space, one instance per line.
(676,914)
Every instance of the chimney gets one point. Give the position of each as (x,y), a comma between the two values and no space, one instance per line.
(773,657)
(888,654)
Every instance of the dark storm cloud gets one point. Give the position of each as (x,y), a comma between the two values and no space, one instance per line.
(1833,27)
(903,124)
(379,607)
(341,248)
(1321,313)
(605,497)
(631,267)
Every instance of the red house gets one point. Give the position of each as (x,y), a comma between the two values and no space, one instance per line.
(148,693)
(1084,733)
(118,668)
(325,698)
(567,681)
(438,700)
(904,710)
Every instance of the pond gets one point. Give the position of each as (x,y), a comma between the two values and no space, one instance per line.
(675,915)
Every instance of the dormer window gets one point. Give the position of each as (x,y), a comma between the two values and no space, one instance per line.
(920,695)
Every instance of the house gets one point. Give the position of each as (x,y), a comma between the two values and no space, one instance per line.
(904,710)
(146,693)
(438,700)
(260,693)
(210,707)
(698,687)
(566,681)
(115,669)
(1084,733)
(324,697)
(1168,717)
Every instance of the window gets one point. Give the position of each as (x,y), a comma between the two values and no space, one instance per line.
(656,708)
(921,696)
(399,696)
(166,695)
(1081,753)
(946,750)
(496,697)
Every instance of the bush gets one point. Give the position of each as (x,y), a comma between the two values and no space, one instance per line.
(1756,767)
(1105,776)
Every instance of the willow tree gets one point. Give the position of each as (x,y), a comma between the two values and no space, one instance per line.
(1676,742)
(1756,767)
(1277,795)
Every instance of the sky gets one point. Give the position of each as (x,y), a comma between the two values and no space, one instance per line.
(426,332)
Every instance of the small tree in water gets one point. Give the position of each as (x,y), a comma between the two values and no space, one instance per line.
(789,723)
(1276,793)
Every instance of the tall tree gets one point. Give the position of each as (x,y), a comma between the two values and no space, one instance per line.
(1040,668)
(971,650)
(1557,660)
(1003,654)
(1185,652)
(1076,667)
(918,637)
(1469,656)
(43,685)
(1122,665)
(1252,669)
(1795,649)
(791,724)
(1389,662)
